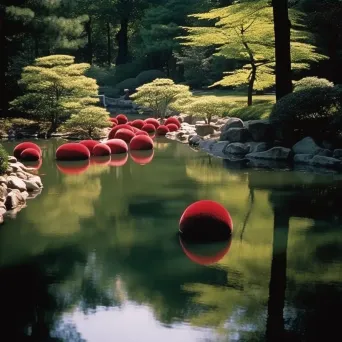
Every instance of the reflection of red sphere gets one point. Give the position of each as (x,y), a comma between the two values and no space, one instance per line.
(73,168)
(72,151)
(142,157)
(141,143)
(206,221)
(149,128)
(23,146)
(205,254)
(162,130)
(30,154)
(101,150)
(172,120)
(118,160)
(112,133)
(117,146)
(124,134)
(153,121)
(89,144)
(141,133)
(122,119)
(103,160)
(36,165)
(172,127)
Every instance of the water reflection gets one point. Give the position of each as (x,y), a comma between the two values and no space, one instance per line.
(142,157)
(72,168)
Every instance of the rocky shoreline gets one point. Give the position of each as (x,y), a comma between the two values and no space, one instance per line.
(17,185)
(250,144)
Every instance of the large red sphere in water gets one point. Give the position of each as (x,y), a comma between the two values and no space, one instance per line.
(141,143)
(30,154)
(162,130)
(23,146)
(138,123)
(206,221)
(172,127)
(172,120)
(122,119)
(101,150)
(124,134)
(142,157)
(141,133)
(72,151)
(112,133)
(153,121)
(75,168)
(149,128)
(89,144)
(114,120)
(117,146)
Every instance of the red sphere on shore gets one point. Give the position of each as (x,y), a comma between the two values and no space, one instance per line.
(117,146)
(124,134)
(101,150)
(162,130)
(172,120)
(23,146)
(30,154)
(89,144)
(172,127)
(122,119)
(141,143)
(72,151)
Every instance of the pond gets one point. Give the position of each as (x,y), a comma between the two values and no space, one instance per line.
(96,256)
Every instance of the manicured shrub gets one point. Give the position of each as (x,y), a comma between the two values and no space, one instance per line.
(72,151)
(30,154)
(112,133)
(122,119)
(172,127)
(172,120)
(141,143)
(3,160)
(89,144)
(149,128)
(149,76)
(117,146)
(101,150)
(138,123)
(152,121)
(23,146)
(142,157)
(124,134)
(162,130)
(129,83)
(312,82)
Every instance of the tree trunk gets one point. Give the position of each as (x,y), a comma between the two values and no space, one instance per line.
(3,62)
(88,29)
(109,48)
(122,41)
(251,86)
(282,33)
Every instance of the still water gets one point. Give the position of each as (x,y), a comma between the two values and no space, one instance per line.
(95,257)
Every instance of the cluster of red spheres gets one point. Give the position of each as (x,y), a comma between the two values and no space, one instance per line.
(29,152)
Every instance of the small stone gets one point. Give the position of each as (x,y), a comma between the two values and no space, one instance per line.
(16,183)
(203,130)
(275,153)
(306,146)
(194,140)
(326,161)
(237,149)
(302,158)
(14,199)
(3,180)
(31,185)
(12,159)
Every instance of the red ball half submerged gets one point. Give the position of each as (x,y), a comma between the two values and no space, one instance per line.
(205,221)
(124,134)
(172,120)
(153,122)
(112,133)
(172,127)
(23,146)
(138,123)
(101,150)
(122,119)
(149,128)
(89,144)
(117,146)
(72,151)
(141,133)
(30,154)
(162,130)
(141,143)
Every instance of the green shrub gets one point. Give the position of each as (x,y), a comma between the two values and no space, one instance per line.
(312,82)
(148,76)
(130,83)
(3,160)
(255,112)
(309,112)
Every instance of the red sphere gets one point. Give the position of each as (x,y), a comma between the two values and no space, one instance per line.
(30,154)
(114,120)
(138,123)
(129,123)
(162,130)
(122,119)
(142,157)
(75,168)
(23,146)
(172,127)
(118,160)
(89,144)
(72,151)
(141,133)
(101,150)
(112,133)
(135,130)
(172,120)
(149,128)
(117,146)
(141,143)
(153,121)
(124,134)
(206,221)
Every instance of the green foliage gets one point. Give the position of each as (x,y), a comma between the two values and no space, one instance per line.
(148,76)
(255,112)
(3,160)
(54,88)
(160,95)
(312,82)
(88,119)
(130,83)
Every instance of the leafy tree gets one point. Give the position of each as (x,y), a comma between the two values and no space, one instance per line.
(55,88)
(312,82)
(245,32)
(160,95)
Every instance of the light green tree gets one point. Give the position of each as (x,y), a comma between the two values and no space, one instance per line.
(160,95)
(245,32)
(55,88)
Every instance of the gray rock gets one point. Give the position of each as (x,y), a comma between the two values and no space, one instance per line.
(3,180)
(203,130)
(325,152)
(337,153)
(325,161)
(258,146)
(302,158)
(14,199)
(232,123)
(25,195)
(306,146)
(260,130)
(275,153)
(12,159)
(236,135)
(237,149)
(31,185)
(37,180)
(21,175)
(16,183)
(219,148)
(206,145)
(194,140)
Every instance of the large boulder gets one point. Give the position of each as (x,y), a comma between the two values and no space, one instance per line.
(14,199)
(194,140)
(3,180)
(326,161)
(275,153)
(218,149)
(16,183)
(206,145)
(232,123)
(237,149)
(306,146)
(260,130)
(302,158)
(337,153)
(203,130)
(236,135)
(258,146)
(31,185)
(325,152)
